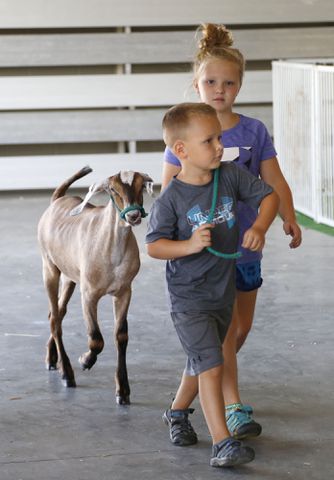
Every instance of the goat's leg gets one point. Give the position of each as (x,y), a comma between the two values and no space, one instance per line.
(66,293)
(121,306)
(51,276)
(95,339)
(51,359)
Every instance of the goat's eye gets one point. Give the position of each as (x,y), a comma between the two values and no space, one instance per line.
(115,192)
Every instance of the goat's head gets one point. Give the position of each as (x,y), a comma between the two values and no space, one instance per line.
(126,192)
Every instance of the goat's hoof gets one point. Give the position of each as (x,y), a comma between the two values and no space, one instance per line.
(123,400)
(51,366)
(69,383)
(86,364)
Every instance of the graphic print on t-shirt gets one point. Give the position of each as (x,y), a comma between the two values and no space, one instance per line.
(233,153)
(223,213)
(242,156)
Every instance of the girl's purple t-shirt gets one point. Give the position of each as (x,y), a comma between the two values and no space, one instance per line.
(247,144)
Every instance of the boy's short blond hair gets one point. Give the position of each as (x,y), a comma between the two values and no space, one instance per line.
(178,118)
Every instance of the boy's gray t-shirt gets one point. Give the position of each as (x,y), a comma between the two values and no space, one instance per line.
(203,281)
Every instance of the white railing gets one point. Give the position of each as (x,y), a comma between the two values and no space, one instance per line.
(303,106)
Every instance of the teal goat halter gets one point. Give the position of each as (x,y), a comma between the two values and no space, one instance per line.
(210,219)
(130,208)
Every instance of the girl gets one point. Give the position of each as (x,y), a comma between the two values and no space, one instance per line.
(218,75)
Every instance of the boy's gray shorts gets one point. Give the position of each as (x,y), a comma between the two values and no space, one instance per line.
(202,334)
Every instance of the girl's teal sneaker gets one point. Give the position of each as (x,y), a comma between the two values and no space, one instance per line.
(240,422)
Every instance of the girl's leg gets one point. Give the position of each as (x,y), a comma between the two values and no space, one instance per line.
(245,302)
(239,422)
(212,402)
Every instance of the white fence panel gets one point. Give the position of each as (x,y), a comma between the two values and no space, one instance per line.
(325,147)
(303,100)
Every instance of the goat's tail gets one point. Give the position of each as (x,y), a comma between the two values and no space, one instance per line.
(61,190)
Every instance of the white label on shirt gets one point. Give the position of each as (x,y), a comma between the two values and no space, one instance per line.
(231,153)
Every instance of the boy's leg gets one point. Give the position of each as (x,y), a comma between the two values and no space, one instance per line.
(181,432)
(188,388)
(226,451)
(212,402)
(246,302)
(186,392)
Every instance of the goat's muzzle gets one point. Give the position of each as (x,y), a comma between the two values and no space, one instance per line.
(133,214)
(133,217)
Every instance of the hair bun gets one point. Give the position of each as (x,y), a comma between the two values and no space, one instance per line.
(214,36)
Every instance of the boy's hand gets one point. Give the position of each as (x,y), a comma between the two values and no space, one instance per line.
(254,239)
(292,228)
(201,238)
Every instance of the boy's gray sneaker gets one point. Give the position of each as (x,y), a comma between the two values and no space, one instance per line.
(181,432)
(230,452)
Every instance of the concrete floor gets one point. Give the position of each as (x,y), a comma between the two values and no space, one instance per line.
(286,371)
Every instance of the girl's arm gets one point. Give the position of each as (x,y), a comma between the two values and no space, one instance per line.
(271,173)
(168,172)
(166,249)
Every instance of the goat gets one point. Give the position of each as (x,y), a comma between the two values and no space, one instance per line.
(93,246)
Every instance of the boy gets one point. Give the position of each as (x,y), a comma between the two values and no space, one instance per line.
(200,284)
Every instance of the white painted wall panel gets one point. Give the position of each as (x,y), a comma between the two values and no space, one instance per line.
(40,172)
(111,13)
(89,91)
(73,102)
(69,49)
(75,126)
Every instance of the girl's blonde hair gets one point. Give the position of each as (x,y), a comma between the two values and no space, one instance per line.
(216,42)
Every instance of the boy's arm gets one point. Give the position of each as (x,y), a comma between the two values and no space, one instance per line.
(272,174)
(166,249)
(254,237)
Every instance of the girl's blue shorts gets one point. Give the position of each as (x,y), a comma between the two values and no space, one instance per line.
(248,276)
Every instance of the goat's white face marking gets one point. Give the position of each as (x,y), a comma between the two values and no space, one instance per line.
(127,177)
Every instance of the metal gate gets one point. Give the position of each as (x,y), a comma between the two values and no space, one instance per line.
(303,101)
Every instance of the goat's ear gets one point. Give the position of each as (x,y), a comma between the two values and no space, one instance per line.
(93,189)
(148,182)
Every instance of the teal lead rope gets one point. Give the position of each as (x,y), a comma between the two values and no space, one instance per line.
(130,208)
(210,219)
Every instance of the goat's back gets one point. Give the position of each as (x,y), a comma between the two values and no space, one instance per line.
(60,235)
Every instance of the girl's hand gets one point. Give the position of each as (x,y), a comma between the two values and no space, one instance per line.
(253,239)
(201,238)
(292,229)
